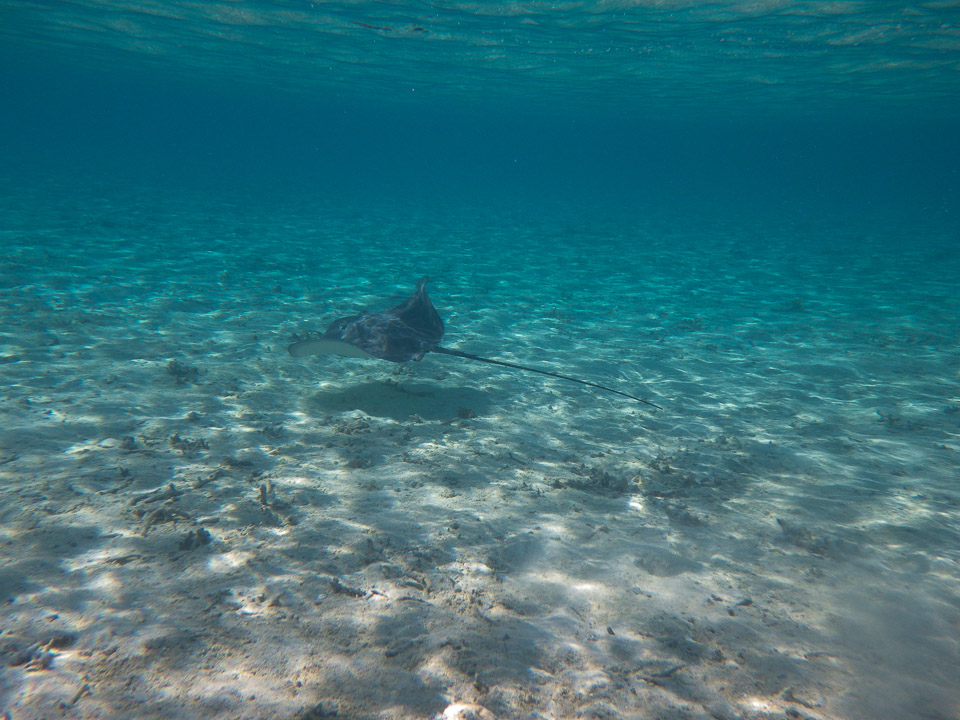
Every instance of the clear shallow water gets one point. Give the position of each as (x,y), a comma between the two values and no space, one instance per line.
(728,55)
(754,225)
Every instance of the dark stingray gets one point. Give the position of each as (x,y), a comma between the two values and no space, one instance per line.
(406,332)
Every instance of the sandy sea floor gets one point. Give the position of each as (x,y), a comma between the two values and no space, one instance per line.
(196,525)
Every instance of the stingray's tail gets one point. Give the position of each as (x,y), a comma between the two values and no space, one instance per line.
(468,356)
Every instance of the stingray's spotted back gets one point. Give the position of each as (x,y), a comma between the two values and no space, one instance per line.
(402,333)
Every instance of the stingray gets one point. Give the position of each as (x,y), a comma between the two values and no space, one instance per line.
(407,332)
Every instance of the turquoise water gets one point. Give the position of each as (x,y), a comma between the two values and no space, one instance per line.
(743,212)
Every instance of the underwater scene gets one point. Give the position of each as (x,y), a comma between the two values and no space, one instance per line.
(479,360)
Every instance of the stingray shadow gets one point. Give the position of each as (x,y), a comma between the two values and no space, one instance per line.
(401,401)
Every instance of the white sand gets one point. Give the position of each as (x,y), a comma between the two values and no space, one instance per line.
(451,538)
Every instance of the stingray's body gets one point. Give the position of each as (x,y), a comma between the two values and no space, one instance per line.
(402,333)
(405,332)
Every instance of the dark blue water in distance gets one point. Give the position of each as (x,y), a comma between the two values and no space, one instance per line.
(821,107)
(747,213)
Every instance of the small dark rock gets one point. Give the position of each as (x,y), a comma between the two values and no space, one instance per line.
(182,373)
(195,539)
(317,712)
(187,445)
(599,480)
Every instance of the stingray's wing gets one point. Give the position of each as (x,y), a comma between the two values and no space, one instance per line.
(419,317)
